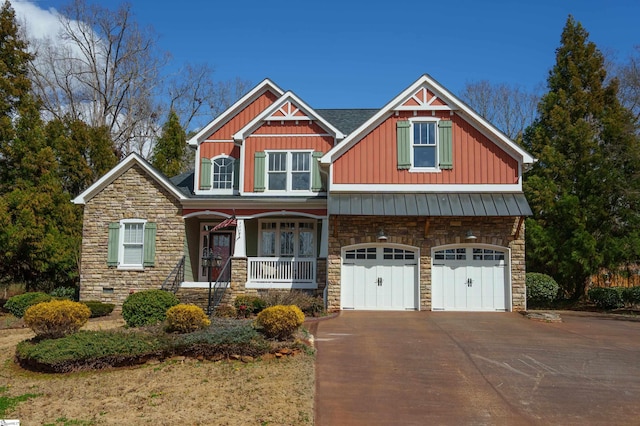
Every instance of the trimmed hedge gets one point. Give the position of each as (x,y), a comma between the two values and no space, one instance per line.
(184,318)
(606,298)
(57,318)
(99,309)
(17,305)
(542,289)
(147,307)
(631,296)
(280,321)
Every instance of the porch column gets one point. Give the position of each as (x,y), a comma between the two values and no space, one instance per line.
(324,239)
(240,248)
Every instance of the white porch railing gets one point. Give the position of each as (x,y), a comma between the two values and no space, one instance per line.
(281,270)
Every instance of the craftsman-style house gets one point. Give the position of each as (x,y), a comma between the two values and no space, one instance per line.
(417,205)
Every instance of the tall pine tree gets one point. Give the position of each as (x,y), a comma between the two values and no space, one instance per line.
(585,188)
(168,153)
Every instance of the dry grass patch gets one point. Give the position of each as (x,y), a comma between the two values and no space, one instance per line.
(179,391)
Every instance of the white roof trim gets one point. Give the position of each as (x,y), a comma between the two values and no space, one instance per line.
(300,104)
(220,120)
(396,105)
(118,171)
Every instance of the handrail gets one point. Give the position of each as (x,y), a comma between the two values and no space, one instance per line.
(172,285)
(221,283)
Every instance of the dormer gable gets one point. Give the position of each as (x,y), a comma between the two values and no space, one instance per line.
(287,109)
(265,87)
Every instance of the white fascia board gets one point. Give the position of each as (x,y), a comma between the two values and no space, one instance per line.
(119,170)
(265,85)
(242,134)
(495,188)
(277,205)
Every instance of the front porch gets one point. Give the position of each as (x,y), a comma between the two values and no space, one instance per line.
(257,254)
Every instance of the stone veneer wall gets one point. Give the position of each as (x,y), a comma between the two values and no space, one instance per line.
(134,195)
(426,233)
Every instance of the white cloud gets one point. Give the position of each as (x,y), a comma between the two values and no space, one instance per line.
(39,23)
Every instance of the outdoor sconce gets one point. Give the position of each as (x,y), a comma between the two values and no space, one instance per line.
(381,235)
(469,236)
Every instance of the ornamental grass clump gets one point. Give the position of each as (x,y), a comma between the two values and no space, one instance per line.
(280,322)
(185,318)
(147,307)
(57,318)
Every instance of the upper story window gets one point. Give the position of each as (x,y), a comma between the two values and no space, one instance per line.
(217,175)
(424,145)
(289,171)
(222,173)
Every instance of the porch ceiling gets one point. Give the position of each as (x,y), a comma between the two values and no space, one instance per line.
(429,204)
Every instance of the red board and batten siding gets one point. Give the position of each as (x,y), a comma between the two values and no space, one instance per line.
(476,160)
(241,119)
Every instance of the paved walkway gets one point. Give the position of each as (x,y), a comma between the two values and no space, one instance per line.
(447,368)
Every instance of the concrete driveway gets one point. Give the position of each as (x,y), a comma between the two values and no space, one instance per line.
(447,368)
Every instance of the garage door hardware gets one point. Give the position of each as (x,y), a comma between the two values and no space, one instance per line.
(379,281)
(469,282)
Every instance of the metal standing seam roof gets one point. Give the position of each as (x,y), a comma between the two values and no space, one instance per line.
(429,204)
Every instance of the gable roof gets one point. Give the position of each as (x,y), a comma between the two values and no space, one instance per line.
(288,107)
(239,105)
(441,99)
(113,174)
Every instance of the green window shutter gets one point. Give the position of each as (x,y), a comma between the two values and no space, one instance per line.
(258,175)
(403,129)
(205,173)
(113,244)
(316,179)
(149,244)
(446,144)
(236,174)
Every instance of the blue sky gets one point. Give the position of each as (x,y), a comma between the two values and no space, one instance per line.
(360,54)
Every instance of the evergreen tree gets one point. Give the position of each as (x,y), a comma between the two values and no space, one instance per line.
(585,187)
(83,153)
(168,153)
(14,85)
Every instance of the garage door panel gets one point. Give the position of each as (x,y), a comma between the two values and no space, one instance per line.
(470,278)
(385,278)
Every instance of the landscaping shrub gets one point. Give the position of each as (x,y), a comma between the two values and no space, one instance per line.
(606,298)
(308,304)
(147,307)
(17,305)
(185,318)
(225,311)
(87,350)
(280,321)
(541,289)
(224,338)
(57,318)
(249,305)
(65,293)
(631,296)
(99,309)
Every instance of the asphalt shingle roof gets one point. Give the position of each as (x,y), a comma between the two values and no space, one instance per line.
(346,120)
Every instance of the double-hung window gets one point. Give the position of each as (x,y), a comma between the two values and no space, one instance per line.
(131,244)
(425,144)
(289,171)
(287,238)
(424,147)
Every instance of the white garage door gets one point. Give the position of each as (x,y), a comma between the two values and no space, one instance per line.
(379,277)
(470,279)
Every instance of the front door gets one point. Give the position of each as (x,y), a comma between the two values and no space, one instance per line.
(218,242)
